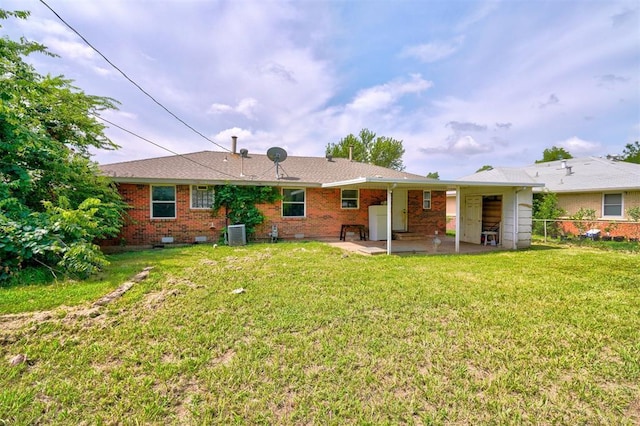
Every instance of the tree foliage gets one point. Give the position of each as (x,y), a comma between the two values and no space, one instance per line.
(554,154)
(545,207)
(239,203)
(433,175)
(484,168)
(631,153)
(53,201)
(369,148)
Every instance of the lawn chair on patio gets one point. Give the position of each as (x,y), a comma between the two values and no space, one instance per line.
(492,231)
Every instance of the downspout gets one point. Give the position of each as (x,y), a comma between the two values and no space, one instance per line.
(458,217)
(389,233)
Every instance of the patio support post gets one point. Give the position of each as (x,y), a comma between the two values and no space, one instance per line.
(458,216)
(516,219)
(389,233)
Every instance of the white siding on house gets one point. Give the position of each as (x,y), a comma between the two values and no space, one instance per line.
(511,236)
(525,217)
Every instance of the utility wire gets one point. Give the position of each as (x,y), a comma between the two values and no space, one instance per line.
(162,147)
(130,80)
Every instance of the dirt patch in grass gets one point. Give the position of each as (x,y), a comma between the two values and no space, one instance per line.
(224,359)
(633,412)
(11,324)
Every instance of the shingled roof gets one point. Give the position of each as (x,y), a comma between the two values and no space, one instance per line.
(213,167)
(585,174)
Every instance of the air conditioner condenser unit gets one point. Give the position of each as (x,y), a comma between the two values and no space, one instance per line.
(236,235)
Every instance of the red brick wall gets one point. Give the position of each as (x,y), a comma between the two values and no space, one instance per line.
(426,222)
(324,216)
(617,229)
(140,229)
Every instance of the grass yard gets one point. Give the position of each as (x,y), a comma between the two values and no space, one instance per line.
(546,336)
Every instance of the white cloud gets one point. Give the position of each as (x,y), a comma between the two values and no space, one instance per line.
(579,147)
(467,145)
(477,15)
(220,108)
(385,95)
(245,107)
(69,49)
(434,51)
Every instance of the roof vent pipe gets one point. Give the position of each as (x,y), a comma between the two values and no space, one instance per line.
(563,164)
(350,152)
(568,170)
(234,144)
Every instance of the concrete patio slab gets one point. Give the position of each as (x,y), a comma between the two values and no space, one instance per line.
(424,246)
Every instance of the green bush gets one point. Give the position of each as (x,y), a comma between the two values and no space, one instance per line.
(57,238)
(545,207)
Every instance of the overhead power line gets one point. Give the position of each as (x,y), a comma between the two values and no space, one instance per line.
(130,79)
(162,147)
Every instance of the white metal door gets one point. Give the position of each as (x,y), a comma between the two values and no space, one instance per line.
(399,210)
(472,219)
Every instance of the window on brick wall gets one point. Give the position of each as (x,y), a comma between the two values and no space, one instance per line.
(612,205)
(202,196)
(350,198)
(163,202)
(293,202)
(426,200)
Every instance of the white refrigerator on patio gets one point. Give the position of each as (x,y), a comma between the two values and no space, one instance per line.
(377,223)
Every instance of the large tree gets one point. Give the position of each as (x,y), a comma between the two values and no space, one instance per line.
(553,154)
(631,153)
(369,148)
(53,200)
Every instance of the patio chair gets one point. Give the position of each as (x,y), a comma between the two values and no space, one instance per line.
(492,231)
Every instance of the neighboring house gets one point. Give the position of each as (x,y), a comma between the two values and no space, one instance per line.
(607,186)
(170,199)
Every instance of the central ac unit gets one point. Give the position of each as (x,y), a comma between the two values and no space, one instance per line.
(236,235)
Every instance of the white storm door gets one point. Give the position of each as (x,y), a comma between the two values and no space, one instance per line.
(399,210)
(472,219)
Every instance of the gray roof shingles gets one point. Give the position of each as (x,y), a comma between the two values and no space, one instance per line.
(214,167)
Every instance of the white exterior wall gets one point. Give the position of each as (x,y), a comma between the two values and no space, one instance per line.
(511,235)
(525,216)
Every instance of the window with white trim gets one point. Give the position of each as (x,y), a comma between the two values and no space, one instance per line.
(612,205)
(202,196)
(293,202)
(426,200)
(163,202)
(350,198)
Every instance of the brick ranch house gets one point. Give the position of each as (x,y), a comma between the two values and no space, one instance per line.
(170,198)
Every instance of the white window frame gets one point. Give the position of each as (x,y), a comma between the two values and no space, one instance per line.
(203,188)
(343,199)
(304,203)
(604,195)
(174,202)
(426,200)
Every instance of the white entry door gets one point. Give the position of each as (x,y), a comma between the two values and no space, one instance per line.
(399,200)
(472,221)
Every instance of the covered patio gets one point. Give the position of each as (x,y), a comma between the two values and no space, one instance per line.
(512,226)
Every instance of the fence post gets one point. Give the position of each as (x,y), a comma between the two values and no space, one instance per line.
(545,230)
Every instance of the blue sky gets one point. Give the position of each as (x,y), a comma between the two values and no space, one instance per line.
(462,83)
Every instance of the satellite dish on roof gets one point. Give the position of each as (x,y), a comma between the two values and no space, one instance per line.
(277,155)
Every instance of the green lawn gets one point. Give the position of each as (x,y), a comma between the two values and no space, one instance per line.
(546,336)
